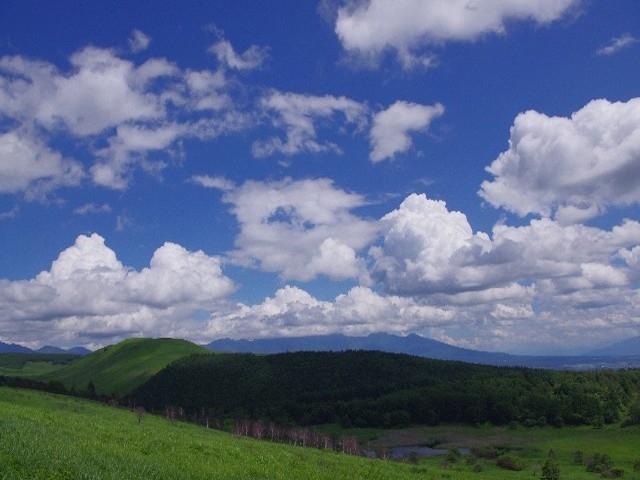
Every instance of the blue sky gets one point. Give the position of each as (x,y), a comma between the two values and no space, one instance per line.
(465,170)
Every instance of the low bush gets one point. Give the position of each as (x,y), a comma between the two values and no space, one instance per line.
(509,462)
(599,463)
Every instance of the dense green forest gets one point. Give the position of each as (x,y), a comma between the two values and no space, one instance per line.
(375,389)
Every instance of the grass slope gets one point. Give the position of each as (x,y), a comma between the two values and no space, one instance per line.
(58,437)
(52,436)
(118,369)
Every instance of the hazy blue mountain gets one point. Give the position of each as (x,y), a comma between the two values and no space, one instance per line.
(13,348)
(419,346)
(79,351)
(411,344)
(384,342)
(623,348)
(50,349)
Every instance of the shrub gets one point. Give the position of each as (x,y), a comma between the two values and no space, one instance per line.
(613,473)
(509,462)
(599,463)
(485,452)
(452,456)
(550,470)
(578,457)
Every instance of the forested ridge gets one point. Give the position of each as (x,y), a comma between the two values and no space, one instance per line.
(376,389)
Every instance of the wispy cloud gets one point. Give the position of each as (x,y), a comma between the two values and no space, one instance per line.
(92,208)
(138,41)
(617,43)
(298,115)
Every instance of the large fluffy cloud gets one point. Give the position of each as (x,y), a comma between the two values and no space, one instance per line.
(570,168)
(559,281)
(391,127)
(429,250)
(299,229)
(88,294)
(294,312)
(371,27)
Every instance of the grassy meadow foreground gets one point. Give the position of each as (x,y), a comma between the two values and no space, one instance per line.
(52,436)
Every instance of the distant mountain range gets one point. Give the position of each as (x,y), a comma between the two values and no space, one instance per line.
(623,354)
(15,348)
(426,347)
(623,348)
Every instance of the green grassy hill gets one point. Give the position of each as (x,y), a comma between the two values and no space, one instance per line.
(58,437)
(118,369)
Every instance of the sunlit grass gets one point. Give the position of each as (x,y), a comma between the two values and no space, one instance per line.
(52,436)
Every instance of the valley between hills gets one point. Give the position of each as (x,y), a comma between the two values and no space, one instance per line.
(320,413)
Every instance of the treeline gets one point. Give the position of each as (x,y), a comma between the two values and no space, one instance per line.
(375,389)
(55,386)
(19,360)
(50,387)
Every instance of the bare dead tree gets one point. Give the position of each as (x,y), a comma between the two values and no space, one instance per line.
(139,412)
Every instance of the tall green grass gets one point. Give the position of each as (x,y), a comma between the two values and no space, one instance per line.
(57,437)
(46,436)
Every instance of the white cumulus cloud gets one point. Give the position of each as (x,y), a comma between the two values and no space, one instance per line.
(370,28)
(299,229)
(428,250)
(294,312)
(570,168)
(88,295)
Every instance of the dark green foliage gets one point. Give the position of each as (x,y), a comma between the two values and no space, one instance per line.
(634,413)
(51,387)
(376,389)
(509,462)
(550,470)
(91,389)
(485,452)
(599,463)
(613,473)
(19,360)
